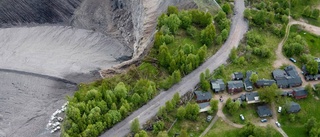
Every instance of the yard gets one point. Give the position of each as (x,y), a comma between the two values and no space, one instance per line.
(250,114)
(312,40)
(309,108)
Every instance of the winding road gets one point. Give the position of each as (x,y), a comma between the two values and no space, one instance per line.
(238,29)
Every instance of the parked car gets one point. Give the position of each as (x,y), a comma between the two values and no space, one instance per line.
(263,120)
(242,117)
(278,124)
(279,109)
(293,60)
(209,118)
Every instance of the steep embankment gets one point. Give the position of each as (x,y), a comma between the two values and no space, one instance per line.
(67,39)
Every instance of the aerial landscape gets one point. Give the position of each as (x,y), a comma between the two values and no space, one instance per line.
(160,68)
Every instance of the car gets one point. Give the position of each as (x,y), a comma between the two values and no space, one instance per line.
(293,60)
(279,109)
(242,117)
(263,120)
(209,118)
(278,124)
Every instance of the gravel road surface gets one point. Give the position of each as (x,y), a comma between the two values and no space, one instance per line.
(238,28)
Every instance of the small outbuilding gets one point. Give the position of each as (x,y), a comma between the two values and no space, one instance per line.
(217,85)
(237,76)
(264,111)
(299,93)
(293,107)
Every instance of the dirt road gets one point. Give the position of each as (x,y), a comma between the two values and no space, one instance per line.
(238,28)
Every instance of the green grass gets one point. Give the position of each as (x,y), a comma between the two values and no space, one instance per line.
(312,40)
(309,108)
(249,113)
(194,128)
(222,129)
(262,66)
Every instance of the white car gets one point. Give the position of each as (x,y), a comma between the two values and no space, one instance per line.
(278,124)
(279,109)
(242,117)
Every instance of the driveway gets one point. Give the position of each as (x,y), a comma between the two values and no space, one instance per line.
(238,29)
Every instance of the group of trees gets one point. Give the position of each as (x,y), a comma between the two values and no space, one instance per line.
(250,130)
(268,94)
(92,111)
(312,127)
(232,106)
(311,13)
(294,45)
(312,65)
(223,24)
(204,82)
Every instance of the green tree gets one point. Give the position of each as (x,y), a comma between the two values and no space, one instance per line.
(214,104)
(172,10)
(202,53)
(162,134)
(135,126)
(226,8)
(124,111)
(312,67)
(158,126)
(312,122)
(173,22)
(315,13)
(176,97)
(164,56)
(120,90)
(307,11)
(181,112)
(169,106)
(141,133)
(221,15)
(176,76)
(292,117)
(162,112)
(186,19)
(254,77)
(192,111)
(233,55)
(208,34)
(268,94)
(136,99)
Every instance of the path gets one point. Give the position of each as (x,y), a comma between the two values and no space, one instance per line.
(238,28)
(210,126)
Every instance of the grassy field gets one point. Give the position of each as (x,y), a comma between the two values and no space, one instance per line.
(249,113)
(261,65)
(194,128)
(309,108)
(222,129)
(312,40)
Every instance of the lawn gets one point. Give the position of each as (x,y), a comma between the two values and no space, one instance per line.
(309,108)
(249,113)
(194,128)
(261,65)
(312,40)
(222,129)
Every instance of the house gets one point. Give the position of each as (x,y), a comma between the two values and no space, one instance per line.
(299,93)
(252,97)
(264,111)
(204,107)
(248,86)
(308,76)
(287,78)
(264,82)
(217,85)
(202,96)
(235,86)
(293,107)
(237,76)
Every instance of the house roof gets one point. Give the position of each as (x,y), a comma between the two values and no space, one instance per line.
(300,91)
(217,83)
(235,84)
(264,111)
(265,82)
(237,75)
(203,95)
(204,105)
(249,73)
(294,107)
(251,96)
(279,74)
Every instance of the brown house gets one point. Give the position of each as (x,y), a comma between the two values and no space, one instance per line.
(235,86)
(202,96)
(299,93)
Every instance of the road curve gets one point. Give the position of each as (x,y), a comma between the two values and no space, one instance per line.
(238,29)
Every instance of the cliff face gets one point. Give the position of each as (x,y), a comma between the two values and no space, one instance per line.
(131,22)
